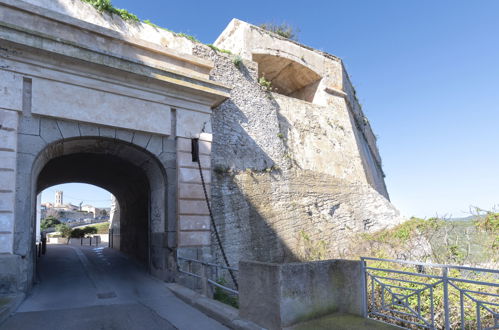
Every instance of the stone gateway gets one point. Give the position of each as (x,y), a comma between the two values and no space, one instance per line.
(289,160)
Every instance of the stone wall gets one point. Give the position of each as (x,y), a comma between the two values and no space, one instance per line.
(288,179)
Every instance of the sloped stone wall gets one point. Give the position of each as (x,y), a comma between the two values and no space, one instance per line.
(287,182)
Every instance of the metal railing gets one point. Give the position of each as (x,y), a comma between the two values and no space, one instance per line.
(418,295)
(209,274)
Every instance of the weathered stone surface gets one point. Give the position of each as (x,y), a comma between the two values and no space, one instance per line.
(6,221)
(10,90)
(9,264)
(29,125)
(5,246)
(49,131)
(193,238)
(194,222)
(189,190)
(280,295)
(186,206)
(192,175)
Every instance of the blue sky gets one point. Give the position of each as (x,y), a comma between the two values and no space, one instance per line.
(426,73)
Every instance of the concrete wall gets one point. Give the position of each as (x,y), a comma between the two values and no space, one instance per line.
(275,296)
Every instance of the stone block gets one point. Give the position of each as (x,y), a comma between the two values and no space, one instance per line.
(194,222)
(9,273)
(9,119)
(276,296)
(184,144)
(155,145)
(206,137)
(192,207)
(190,190)
(194,238)
(11,91)
(107,132)
(191,123)
(88,130)
(191,175)
(7,200)
(8,139)
(124,135)
(6,240)
(30,144)
(6,221)
(204,147)
(49,131)
(7,180)
(141,139)
(168,159)
(29,125)
(68,129)
(7,159)
(185,160)
(169,144)
(83,104)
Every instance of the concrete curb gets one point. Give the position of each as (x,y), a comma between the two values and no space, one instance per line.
(8,305)
(227,315)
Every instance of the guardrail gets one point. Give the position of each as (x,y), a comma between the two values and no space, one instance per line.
(419,295)
(209,274)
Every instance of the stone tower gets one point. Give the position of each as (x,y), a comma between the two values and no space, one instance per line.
(58,198)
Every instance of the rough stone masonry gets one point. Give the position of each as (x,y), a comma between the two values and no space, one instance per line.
(289,158)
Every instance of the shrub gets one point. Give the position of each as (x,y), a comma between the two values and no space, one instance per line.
(284,30)
(267,85)
(237,60)
(224,297)
(107,6)
(65,230)
(49,222)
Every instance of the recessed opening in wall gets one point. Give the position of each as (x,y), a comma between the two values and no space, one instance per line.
(288,77)
(84,209)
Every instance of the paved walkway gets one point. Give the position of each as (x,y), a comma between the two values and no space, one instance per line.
(100,289)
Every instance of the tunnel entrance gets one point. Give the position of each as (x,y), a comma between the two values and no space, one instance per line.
(129,173)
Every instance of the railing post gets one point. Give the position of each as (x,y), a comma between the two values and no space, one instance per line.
(363,280)
(445,281)
(205,286)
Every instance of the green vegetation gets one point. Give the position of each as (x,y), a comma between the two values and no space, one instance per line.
(267,85)
(187,36)
(107,6)
(312,249)
(220,50)
(82,232)
(237,60)
(471,241)
(64,230)
(224,297)
(284,30)
(49,222)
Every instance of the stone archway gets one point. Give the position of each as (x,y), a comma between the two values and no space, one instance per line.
(135,173)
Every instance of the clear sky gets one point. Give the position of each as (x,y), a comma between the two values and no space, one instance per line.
(426,73)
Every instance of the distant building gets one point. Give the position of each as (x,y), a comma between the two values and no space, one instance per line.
(58,198)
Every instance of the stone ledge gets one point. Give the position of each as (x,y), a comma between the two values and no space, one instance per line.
(223,313)
(8,305)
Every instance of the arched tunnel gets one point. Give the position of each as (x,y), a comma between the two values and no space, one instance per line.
(124,170)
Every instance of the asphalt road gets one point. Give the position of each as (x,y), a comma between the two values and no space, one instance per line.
(100,289)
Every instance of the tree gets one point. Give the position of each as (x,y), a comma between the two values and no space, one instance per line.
(49,222)
(64,230)
(90,230)
(103,213)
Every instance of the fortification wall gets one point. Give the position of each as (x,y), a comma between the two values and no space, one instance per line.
(288,181)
